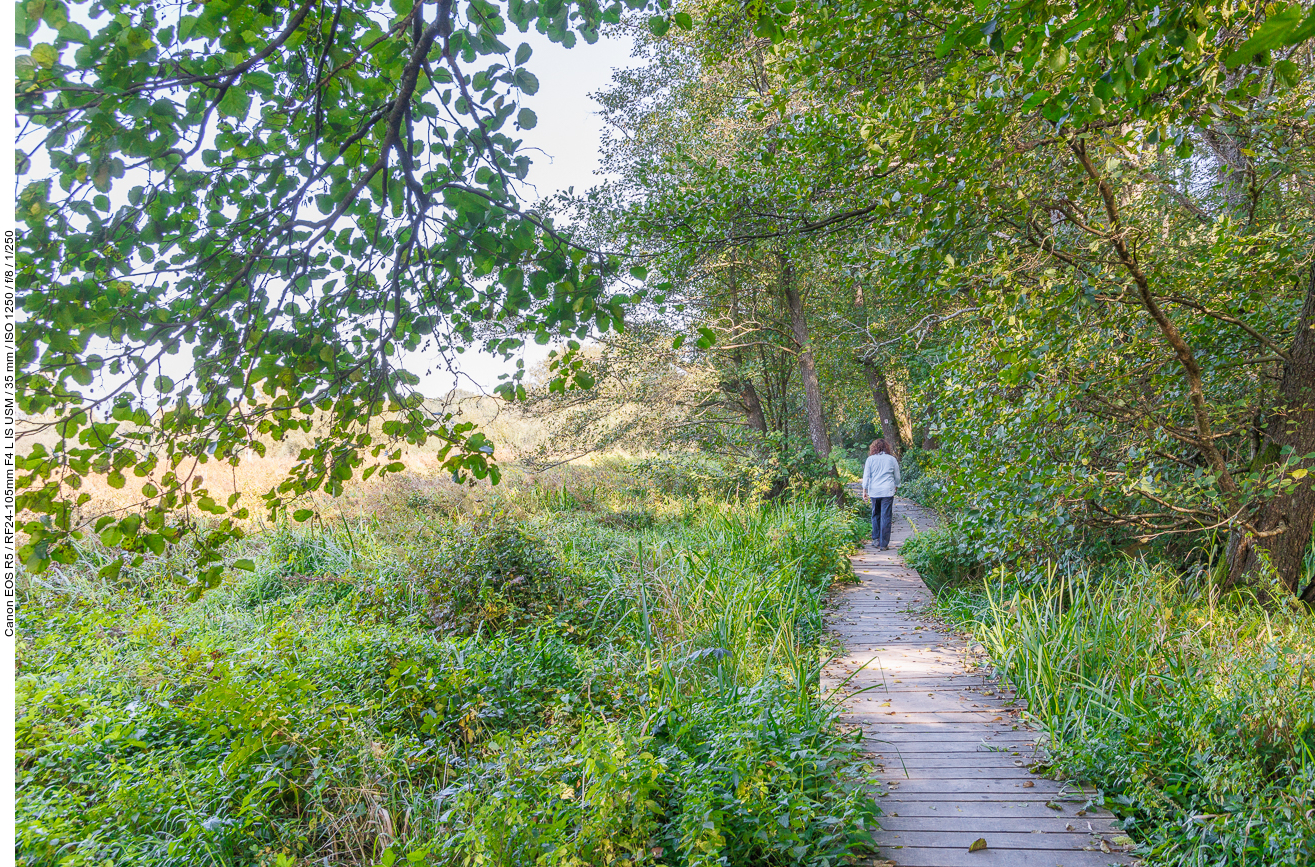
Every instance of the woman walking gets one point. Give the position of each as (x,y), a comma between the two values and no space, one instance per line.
(880,479)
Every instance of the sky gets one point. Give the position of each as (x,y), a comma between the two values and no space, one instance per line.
(565,154)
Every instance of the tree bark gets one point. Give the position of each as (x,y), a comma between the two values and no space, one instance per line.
(1281,525)
(817,432)
(745,398)
(743,385)
(885,409)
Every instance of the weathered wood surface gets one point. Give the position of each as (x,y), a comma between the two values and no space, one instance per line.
(952,756)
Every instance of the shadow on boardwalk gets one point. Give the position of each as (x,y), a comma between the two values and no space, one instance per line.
(952,754)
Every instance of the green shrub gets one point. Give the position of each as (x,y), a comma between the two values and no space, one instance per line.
(941,556)
(489,572)
(919,480)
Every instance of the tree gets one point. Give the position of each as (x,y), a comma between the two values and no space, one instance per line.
(1076,171)
(242,213)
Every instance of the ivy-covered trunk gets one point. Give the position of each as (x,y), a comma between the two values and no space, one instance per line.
(817,432)
(1282,523)
(885,408)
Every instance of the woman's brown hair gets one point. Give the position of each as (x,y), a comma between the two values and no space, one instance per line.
(878,447)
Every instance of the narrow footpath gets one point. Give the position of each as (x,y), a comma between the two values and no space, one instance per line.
(952,754)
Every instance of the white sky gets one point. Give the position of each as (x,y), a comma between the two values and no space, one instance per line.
(566,138)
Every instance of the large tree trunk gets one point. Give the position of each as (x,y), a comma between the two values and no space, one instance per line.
(899,398)
(1281,526)
(794,302)
(885,409)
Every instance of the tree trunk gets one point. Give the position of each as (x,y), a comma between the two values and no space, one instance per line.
(885,409)
(817,431)
(742,386)
(750,403)
(1281,525)
(899,399)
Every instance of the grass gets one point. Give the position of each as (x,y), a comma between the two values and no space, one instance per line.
(564,676)
(1194,716)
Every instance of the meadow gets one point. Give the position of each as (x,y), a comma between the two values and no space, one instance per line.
(591,667)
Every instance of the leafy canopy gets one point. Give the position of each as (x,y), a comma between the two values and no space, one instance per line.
(242,217)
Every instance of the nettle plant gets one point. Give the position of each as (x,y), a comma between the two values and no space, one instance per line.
(242,217)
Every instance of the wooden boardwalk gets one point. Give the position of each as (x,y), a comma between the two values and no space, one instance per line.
(951,752)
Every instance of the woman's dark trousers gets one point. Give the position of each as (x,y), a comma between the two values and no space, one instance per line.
(881,512)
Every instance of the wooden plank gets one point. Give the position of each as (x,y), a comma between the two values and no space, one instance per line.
(1008,807)
(996,838)
(1002,857)
(1011,785)
(1037,824)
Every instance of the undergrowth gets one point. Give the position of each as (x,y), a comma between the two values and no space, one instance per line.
(1194,716)
(559,678)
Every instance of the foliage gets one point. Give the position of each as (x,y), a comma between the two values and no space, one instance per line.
(241,215)
(489,572)
(1194,715)
(652,695)
(920,477)
(942,556)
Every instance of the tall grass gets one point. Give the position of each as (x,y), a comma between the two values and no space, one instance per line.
(1196,718)
(558,678)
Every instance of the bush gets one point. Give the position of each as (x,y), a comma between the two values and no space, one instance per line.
(918,477)
(489,572)
(942,556)
(695,476)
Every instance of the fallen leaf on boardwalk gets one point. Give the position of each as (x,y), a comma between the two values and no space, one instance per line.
(1105,847)
(1029,784)
(1052,805)
(1121,840)
(977,845)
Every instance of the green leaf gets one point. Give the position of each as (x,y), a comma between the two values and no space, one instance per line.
(1059,60)
(526,119)
(245,565)
(526,81)
(234,103)
(74,32)
(302,515)
(45,54)
(1288,73)
(683,20)
(523,53)
(658,25)
(262,82)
